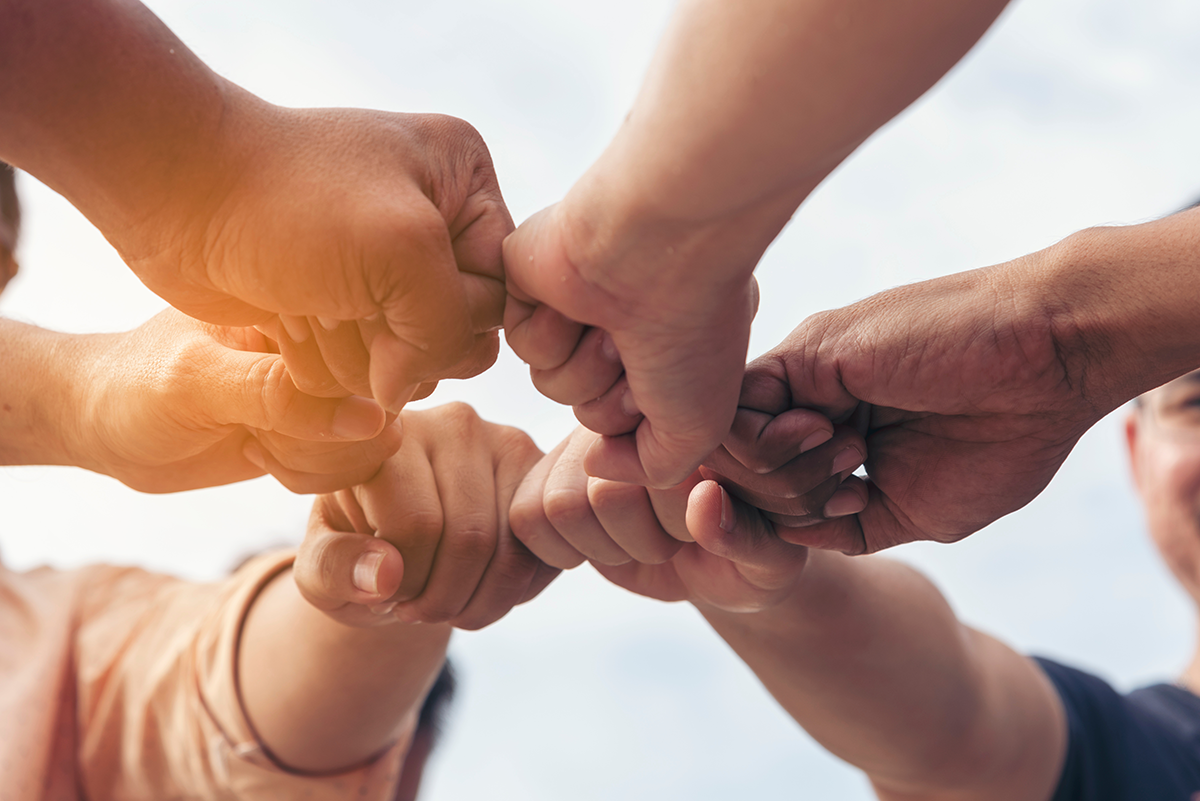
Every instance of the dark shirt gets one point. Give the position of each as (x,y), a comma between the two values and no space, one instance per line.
(1144,746)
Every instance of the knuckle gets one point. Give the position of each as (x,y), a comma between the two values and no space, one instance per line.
(269,382)
(472,540)
(566,507)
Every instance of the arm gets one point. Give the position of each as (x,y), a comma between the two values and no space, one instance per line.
(176,404)
(869,658)
(334,665)
(865,654)
(1015,362)
(746,108)
(235,210)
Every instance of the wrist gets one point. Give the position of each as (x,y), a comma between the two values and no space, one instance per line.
(646,245)
(1119,303)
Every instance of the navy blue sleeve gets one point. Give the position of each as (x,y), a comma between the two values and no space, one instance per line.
(1125,748)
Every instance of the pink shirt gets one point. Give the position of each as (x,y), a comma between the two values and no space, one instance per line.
(116,683)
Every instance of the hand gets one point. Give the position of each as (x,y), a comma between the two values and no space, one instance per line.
(177,404)
(374,237)
(971,390)
(693,542)
(428,539)
(647,342)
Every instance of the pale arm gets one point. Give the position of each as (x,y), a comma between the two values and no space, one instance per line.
(746,108)
(869,658)
(347,694)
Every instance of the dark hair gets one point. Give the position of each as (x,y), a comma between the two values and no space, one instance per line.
(10,209)
(432,718)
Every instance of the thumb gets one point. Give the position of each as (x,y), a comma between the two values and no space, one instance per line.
(534,257)
(256,390)
(739,533)
(334,569)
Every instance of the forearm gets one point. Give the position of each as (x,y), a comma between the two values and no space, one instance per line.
(1121,304)
(325,696)
(44,374)
(871,661)
(99,100)
(748,105)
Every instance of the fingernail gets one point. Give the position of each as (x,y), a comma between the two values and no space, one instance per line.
(629,405)
(366,572)
(356,418)
(609,348)
(843,503)
(328,323)
(407,614)
(296,327)
(848,459)
(815,439)
(382,609)
(728,516)
(254,455)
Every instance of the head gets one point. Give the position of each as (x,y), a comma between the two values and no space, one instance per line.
(10,224)
(1163,434)
(429,730)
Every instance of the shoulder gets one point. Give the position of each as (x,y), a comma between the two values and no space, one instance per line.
(1121,746)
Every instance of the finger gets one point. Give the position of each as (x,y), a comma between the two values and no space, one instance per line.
(307,483)
(612,414)
(800,487)
(570,511)
(590,372)
(484,350)
(541,580)
(670,507)
(307,369)
(527,516)
(844,525)
(344,354)
(736,532)
(335,568)
(360,458)
(256,390)
(404,507)
(542,337)
(764,442)
(660,582)
(295,327)
(469,535)
(625,512)
(505,583)
(424,306)
(424,390)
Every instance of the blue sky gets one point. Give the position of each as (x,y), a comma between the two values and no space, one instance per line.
(1070,113)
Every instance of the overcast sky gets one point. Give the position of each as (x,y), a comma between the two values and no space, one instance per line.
(1070,113)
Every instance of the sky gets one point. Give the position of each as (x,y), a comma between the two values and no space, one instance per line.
(1070,113)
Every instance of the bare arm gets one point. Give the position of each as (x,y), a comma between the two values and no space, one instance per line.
(747,107)
(869,658)
(335,665)
(865,654)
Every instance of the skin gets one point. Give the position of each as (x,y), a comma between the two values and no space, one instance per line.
(864,653)
(658,254)
(972,389)
(1163,435)
(366,243)
(363,641)
(177,404)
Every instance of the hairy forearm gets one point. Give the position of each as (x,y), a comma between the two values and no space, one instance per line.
(45,374)
(1122,304)
(325,696)
(748,105)
(99,100)
(871,661)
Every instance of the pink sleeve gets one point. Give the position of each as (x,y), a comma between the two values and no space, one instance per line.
(159,708)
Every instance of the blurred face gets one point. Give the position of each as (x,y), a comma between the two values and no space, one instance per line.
(1164,446)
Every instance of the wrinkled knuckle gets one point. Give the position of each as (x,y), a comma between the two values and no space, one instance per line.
(566,508)
(419,524)
(272,385)
(473,541)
